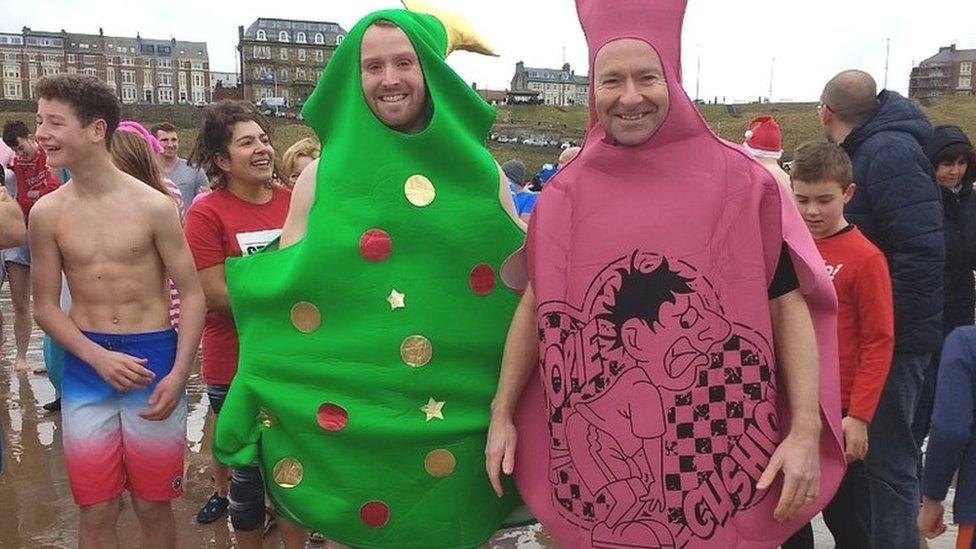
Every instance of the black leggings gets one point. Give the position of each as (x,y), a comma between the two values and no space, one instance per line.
(246,484)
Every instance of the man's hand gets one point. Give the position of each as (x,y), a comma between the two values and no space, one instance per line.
(930,519)
(164,398)
(123,372)
(855,438)
(500,450)
(798,458)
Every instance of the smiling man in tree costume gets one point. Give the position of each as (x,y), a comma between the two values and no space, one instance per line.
(370,347)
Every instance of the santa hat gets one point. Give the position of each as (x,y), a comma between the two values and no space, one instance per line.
(763,138)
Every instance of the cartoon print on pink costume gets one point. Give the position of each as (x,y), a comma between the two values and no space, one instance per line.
(628,448)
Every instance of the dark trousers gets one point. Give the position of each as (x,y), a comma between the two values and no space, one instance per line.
(803,539)
(892,460)
(926,400)
(848,515)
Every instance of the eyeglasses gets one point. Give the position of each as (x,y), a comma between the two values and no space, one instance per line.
(821,106)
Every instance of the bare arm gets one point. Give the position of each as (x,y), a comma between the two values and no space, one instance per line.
(796,353)
(302,197)
(175,253)
(13,231)
(121,371)
(797,456)
(215,289)
(520,357)
(519,360)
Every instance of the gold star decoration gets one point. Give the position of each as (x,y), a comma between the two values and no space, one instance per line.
(433,409)
(460,34)
(396,300)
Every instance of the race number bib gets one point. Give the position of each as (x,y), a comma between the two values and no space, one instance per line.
(252,243)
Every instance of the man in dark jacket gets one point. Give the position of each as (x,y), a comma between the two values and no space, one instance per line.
(897,208)
(952,158)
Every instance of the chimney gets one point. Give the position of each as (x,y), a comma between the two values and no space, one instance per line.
(101,32)
(566,67)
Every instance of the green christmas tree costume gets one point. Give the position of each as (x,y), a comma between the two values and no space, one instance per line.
(370,349)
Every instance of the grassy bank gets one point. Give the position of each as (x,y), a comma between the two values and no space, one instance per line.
(798,120)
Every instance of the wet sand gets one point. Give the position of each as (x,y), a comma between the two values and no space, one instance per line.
(36,509)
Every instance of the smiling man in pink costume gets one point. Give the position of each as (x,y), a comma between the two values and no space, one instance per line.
(682,320)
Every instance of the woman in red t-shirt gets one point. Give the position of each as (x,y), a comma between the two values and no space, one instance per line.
(245,212)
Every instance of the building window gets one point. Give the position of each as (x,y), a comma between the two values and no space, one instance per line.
(301,55)
(199,97)
(965,82)
(165,95)
(284,54)
(11,71)
(50,71)
(319,39)
(197,80)
(32,57)
(128,93)
(148,96)
(262,35)
(197,64)
(147,77)
(10,56)
(128,61)
(299,74)
(339,39)
(300,38)
(966,68)
(165,79)
(182,97)
(110,75)
(283,75)
(262,52)
(90,71)
(11,90)
(164,63)
(71,58)
(319,56)
(283,36)
(90,60)
(182,79)
(129,77)
(32,71)
(72,70)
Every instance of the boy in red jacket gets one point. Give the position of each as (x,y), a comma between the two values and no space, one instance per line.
(822,183)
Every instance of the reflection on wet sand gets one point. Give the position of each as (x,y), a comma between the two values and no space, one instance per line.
(36,508)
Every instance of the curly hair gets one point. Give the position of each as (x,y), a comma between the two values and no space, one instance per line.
(219,120)
(90,99)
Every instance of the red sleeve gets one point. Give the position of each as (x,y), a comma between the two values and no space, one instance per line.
(205,235)
(875,334)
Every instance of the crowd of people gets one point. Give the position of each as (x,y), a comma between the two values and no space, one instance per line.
(685,334)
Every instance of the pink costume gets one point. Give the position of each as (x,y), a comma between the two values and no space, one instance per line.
(659,401)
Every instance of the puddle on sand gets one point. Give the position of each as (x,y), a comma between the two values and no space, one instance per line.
(36,508)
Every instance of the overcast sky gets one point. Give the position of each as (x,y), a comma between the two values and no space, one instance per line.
(736,41)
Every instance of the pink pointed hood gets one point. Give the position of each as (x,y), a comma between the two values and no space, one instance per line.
(659,399)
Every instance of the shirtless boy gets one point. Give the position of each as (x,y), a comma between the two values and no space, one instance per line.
(117,240)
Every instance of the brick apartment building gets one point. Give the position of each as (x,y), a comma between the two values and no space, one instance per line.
(947,73)
(146,70)
(285,58)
